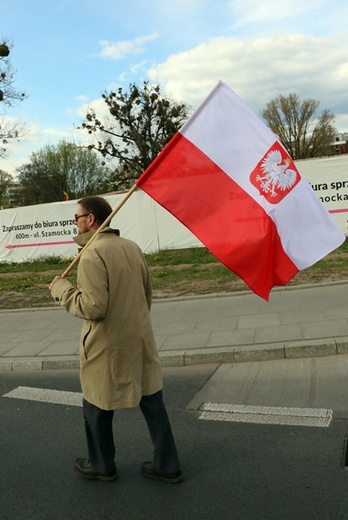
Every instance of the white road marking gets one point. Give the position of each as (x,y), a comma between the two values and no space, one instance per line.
(317,417)
(46,396)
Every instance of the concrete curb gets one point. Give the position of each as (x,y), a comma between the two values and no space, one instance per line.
(315,347)
(241,354)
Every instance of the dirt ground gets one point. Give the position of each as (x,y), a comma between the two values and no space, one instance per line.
(200,287)
(40,296)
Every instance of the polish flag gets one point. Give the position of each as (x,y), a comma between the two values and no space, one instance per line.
(229,180)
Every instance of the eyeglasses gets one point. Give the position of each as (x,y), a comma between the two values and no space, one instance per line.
(76,217)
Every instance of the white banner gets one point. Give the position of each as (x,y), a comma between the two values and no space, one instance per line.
(329,179)
(48,229)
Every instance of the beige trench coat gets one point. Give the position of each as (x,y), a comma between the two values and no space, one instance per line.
(119,362)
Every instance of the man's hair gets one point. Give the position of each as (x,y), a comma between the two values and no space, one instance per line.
(97,206)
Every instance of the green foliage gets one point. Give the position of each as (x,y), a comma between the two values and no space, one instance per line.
(192,255)
(141,124)
(22,283)
(166,275)
(44,263)
(344,246)
(64,167)
(5,182)
(335,262)
(173,272)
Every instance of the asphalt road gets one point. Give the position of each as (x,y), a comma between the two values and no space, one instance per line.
(232,470)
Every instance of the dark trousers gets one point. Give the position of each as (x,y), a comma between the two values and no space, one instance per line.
(100,440)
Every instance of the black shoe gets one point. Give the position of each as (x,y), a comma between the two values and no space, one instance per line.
(147,470)
(84,468)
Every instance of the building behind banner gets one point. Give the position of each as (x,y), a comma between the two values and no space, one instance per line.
(48,229)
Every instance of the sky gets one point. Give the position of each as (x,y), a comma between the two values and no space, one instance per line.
(68,52)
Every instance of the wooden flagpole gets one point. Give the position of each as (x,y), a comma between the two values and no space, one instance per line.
(104,224)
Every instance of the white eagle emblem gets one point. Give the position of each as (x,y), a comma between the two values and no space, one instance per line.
(277,175)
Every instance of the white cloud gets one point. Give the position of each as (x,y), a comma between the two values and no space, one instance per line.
(82,98)
(35,138)
(122,77)
(120,50)
(316,17)
(137,68)
(97,105)
(270,11)
(259,69)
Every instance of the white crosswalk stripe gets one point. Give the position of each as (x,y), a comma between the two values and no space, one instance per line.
(45,395)
(317,417)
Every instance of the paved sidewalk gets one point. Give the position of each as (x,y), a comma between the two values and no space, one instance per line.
(304,321)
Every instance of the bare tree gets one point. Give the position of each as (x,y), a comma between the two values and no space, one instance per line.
(296,124)
(8,97)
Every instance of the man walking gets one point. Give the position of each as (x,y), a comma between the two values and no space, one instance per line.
(119,362)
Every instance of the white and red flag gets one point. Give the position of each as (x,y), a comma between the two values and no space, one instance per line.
(228,179)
